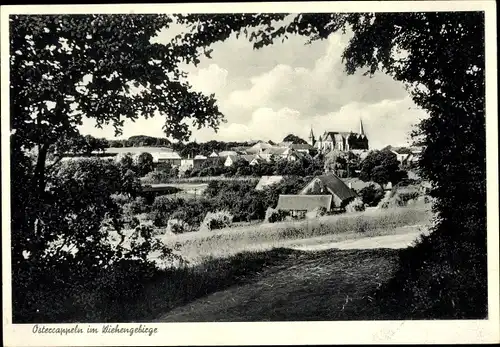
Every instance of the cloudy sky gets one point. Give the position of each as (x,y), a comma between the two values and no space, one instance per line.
(287,88)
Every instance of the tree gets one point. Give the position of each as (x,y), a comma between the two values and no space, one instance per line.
(338,161)
(371,195)
(424,50)
(381,167)
(294,139)
(144,140)
(126,162)
(64,68)
(130,183)
(144,163)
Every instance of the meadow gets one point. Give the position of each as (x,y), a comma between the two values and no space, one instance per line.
(196,247)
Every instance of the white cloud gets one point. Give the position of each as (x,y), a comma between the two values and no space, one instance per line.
(212,79)
(321,89)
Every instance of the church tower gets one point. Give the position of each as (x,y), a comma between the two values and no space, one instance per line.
(363,142)
(312,140)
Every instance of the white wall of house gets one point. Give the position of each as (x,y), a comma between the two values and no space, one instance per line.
(228,162)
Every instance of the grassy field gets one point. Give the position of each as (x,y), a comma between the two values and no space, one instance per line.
(197,247)
(286,285)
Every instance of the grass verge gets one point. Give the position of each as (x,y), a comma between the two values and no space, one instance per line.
(197,246)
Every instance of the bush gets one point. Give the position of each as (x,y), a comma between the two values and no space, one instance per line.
(356,205)
(177,226)
(162,208)
(371,195)
(159,176)
(274,215)
(216,220)
(400,198)
(404,197)
(121,199)
(139,205)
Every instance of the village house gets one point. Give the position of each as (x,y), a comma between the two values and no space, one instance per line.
(172,158)
(406,156)
(187,163)
(299,205)
(330,184)
(216,161)
(281,153)
(230,160)
(301,147)
(252,159)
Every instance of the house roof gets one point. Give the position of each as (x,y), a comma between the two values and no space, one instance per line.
(275,150)
(240,149)
(298,146)
(200,157)
(249,157)
(165,156)
(335,185)
(303,202)
(257,159)
(227,153)
(268,181)
(337,135)
(400,150)
(358,184)
(260,145)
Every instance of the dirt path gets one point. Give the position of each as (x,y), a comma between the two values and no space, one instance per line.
(387,241)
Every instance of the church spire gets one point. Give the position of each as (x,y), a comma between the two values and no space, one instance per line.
(311,137)
(361,130)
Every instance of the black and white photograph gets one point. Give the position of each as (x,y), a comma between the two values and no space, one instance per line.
(325,163)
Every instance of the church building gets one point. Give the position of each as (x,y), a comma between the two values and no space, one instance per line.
(342,141)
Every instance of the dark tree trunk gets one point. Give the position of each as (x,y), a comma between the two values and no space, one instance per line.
(40,179)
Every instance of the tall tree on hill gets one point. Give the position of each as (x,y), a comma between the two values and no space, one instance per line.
(294,139)
(425,51)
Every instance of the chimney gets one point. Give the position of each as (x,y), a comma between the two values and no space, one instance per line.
(350,185)
(189,156)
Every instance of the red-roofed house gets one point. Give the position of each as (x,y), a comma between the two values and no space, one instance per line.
(330,184)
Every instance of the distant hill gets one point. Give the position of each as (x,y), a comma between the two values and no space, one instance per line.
(141,141)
